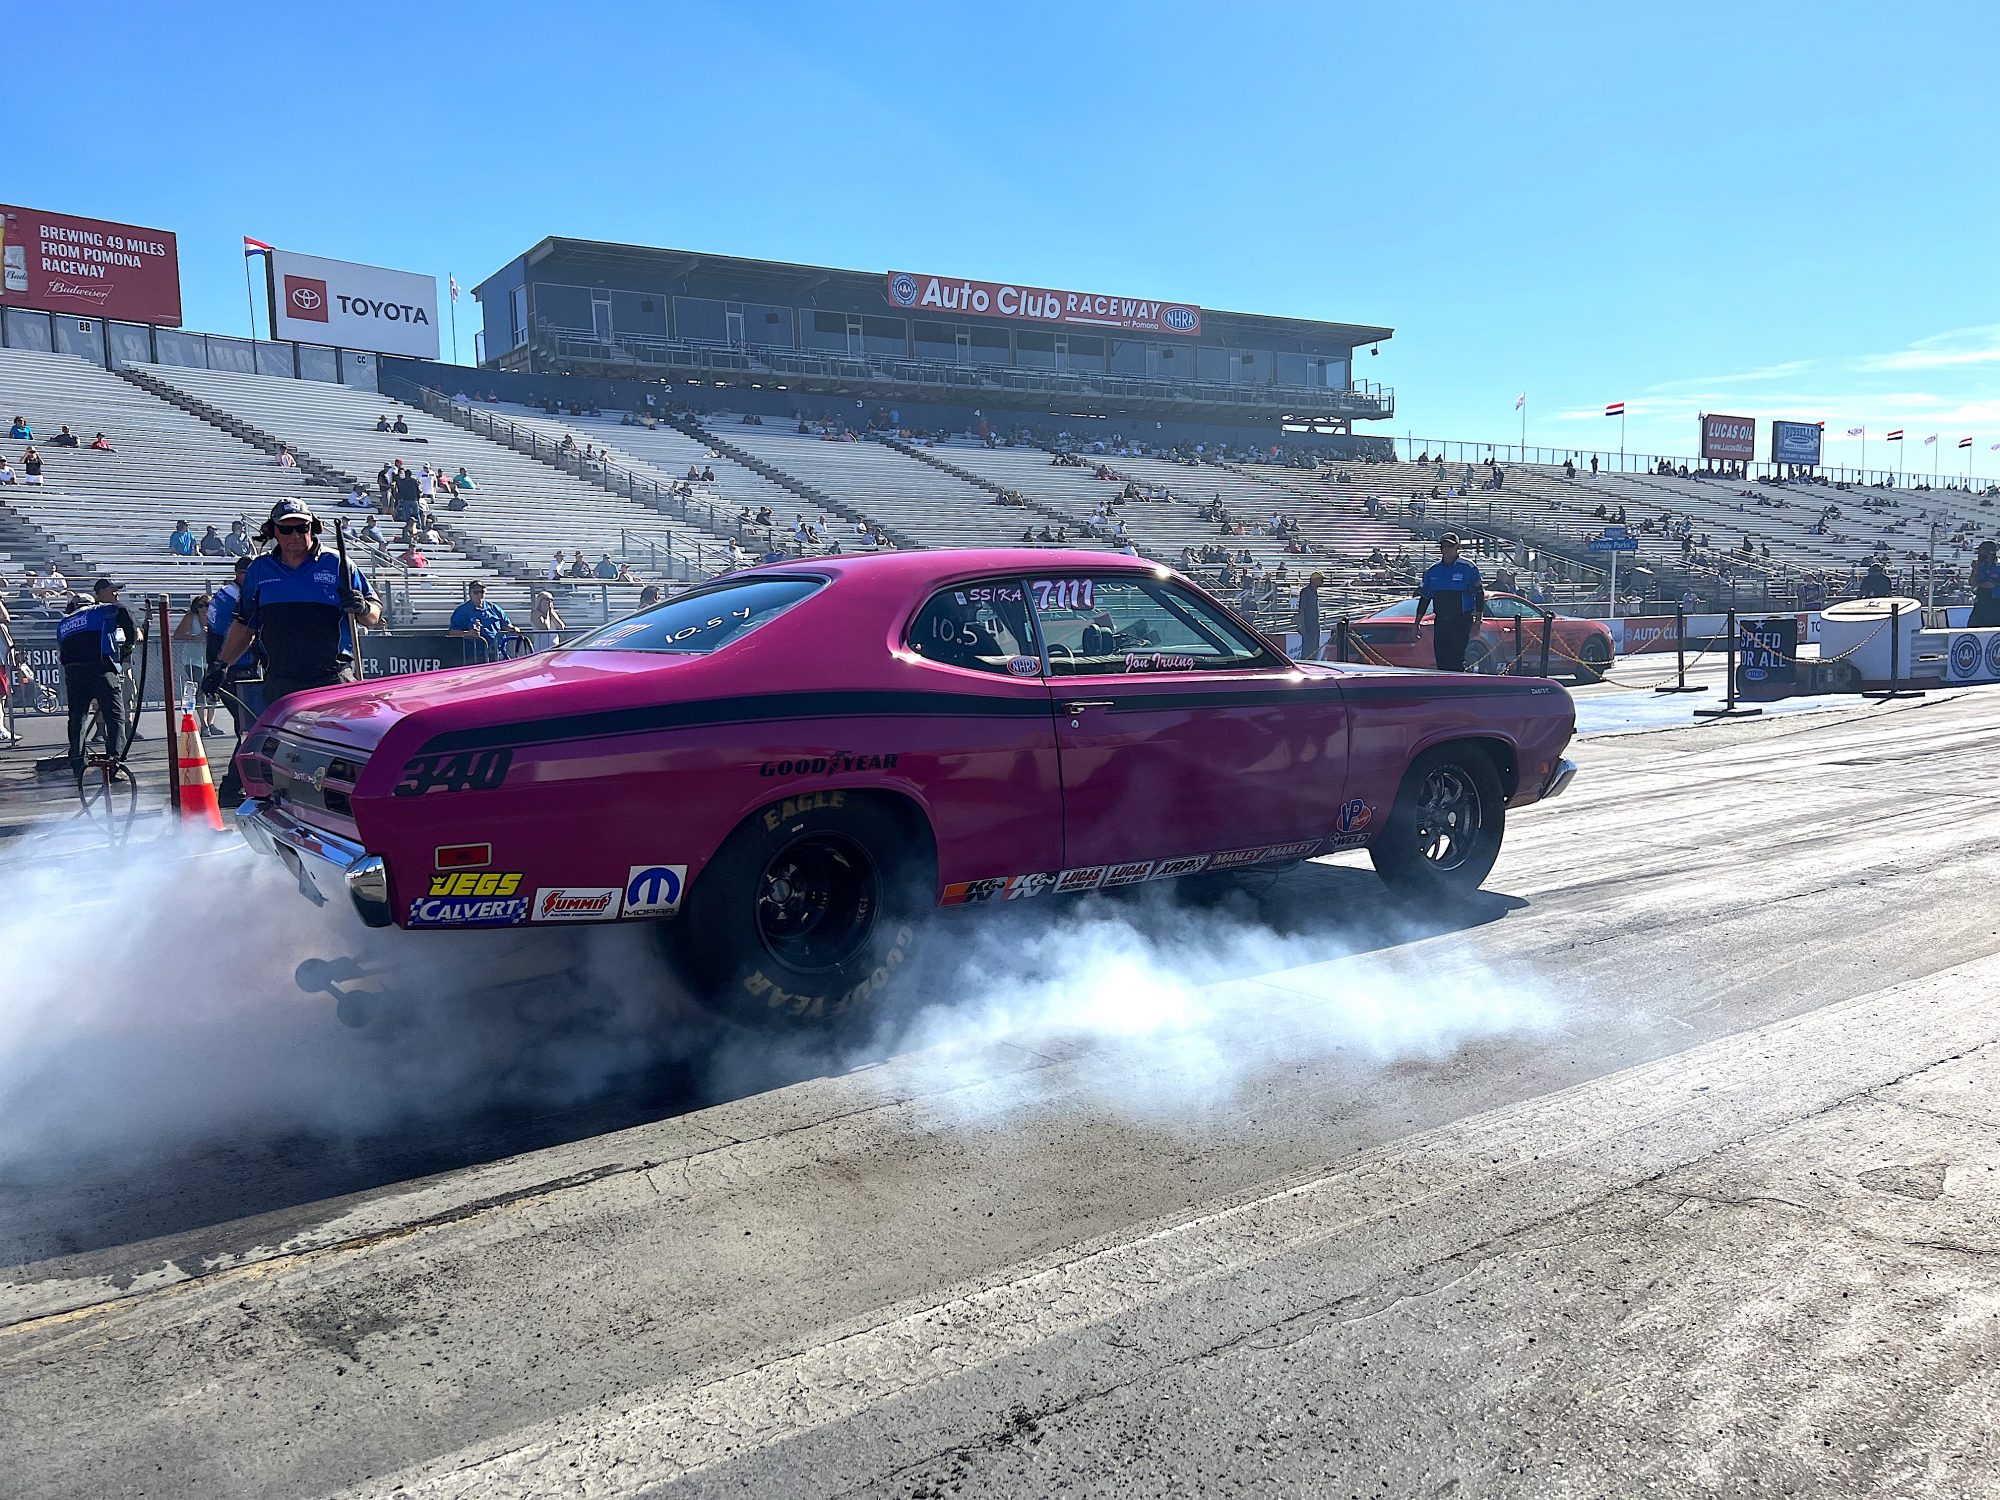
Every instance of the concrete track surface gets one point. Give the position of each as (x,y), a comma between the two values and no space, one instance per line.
(1671,1168)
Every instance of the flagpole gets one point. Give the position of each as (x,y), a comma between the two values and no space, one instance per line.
(249,297)
(1621,441)
(452,282)
(1524,427)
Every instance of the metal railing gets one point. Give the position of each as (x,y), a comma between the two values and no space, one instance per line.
(566,454)
(1646,465)
(1366,399)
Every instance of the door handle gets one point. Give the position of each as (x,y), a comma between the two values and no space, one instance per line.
(1082,703)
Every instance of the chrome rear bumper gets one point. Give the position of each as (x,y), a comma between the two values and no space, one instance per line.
(326,865)
(1559,778)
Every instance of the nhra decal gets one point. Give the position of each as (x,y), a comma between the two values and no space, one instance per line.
(1064,593)
(467,771)
(827,765)
(577,903)
(654,890)
(468,911)
(1354,816)
(1025,666)
(1130,874)
(1157,661)
(476,883)
(791,807)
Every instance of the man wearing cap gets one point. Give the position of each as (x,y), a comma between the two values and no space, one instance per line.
(300,605)
(482,622)
(94,641)
(1454,586)
(221,611)
(1309,617)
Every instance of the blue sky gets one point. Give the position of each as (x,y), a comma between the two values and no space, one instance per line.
(1778,210)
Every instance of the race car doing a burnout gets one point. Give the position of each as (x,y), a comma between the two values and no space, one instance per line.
(795,762)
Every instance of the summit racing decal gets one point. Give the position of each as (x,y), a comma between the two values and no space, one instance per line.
(577,903)
(468,911)
(465,771)
(834,764)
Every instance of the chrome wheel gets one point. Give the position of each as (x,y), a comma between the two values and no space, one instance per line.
(1449,818)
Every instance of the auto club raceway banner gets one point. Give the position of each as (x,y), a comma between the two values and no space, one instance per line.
(997,299)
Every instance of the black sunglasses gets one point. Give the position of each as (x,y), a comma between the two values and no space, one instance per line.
(293,528)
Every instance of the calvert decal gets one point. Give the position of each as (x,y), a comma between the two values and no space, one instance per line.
(654,890)
(468,911)
(917,292)
(567,903)
(476,883)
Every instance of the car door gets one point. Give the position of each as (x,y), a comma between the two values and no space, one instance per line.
(1180,733)
(1513,629)
(988,739)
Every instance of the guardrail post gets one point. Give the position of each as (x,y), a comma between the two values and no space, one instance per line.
(1896,689)
(1548,627)
(1729,709)
(1519,649)
(1340,638)
(1680,683)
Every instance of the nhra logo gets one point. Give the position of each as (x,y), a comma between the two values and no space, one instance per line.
(1965,656)
(305,297)
(903,289)
(1180,319)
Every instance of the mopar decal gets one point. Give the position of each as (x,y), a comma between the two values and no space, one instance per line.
(654,890)
(465,771)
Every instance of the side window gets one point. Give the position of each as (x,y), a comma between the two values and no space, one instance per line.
(1123,624)
(983,626)
(1508,609)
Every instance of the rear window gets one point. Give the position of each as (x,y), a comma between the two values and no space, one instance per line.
(695,624)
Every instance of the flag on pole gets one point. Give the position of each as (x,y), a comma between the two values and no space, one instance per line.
(1895,437)
(255,247)
(1965,442)
(1857,432)
(1615,409)
(1931,439)
(454,285)
(1520,401)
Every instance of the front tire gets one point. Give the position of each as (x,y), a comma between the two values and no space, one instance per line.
(807,913)
(1593,660)
(1444,832)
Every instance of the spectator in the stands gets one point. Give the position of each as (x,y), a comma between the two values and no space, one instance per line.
(371,531)
(237,543)
(382,423)
(606,568)
(211,544)
(478,620)
(578,568)
(31,465)
(356,499)
(626,575)
(65,438)
(648,596)
(1876,584)
(426,483)
(285,459)
(20,430)
(462,480)
(383,479)
(7,474)
(102,444)
(545,626)
(557,568)
(400,424)
(707,474)
(409,499)
(181,542)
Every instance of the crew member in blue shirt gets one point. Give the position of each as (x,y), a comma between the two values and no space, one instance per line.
(93,642)
(300,606)
(221,611)
(481,622)
(1455,588)
(1985,586)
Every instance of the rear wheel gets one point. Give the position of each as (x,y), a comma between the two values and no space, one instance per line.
(807,913)
(1444,832)
(1480,658)
(1593,660)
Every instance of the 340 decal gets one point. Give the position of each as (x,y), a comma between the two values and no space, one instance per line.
(467,771)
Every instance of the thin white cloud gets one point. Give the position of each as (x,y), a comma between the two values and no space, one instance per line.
(1979,345)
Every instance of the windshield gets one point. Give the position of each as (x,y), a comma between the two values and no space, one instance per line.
(1402,609)
(695,624)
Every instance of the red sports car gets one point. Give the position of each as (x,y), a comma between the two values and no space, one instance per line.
(1509,640)
(795,762)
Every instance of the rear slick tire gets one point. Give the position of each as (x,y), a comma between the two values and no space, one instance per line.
(807,914)
(1445,829)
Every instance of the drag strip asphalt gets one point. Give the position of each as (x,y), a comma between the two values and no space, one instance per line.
(1749,910)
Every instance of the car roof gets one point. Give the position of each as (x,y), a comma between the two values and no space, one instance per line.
(950,562)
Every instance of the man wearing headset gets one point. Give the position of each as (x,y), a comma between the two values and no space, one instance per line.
(301,604)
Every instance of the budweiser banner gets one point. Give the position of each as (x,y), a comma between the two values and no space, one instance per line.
(996,299)
(88,267)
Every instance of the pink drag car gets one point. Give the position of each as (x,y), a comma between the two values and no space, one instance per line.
(796,762)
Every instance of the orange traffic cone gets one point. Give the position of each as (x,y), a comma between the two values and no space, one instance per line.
(198,800)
